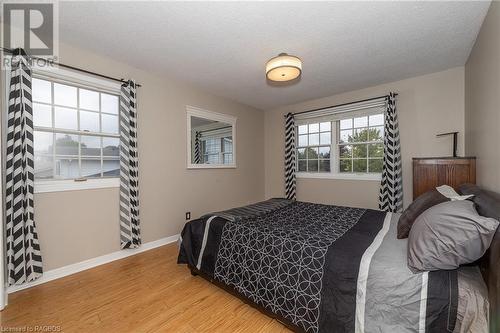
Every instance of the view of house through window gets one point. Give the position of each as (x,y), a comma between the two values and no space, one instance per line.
(75,131)
(348,145)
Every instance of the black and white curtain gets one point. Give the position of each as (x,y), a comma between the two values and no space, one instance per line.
(197,148)
(24,260)
(290,157)
(391,188)
(130,235)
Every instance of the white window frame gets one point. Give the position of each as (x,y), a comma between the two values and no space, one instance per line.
(192,111)
(334,115)
(87,82)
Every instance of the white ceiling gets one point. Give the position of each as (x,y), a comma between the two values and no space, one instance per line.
(222,47)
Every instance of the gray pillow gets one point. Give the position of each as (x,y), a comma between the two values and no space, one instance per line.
(448,235)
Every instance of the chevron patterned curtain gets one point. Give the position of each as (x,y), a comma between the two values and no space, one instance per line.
(290,157)
(391,188)
(24,261)
(197,148)
(130,235)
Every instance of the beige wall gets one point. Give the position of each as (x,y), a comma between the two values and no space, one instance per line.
(78,225)
(427,105)
(482,95)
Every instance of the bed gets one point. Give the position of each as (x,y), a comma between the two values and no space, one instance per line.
(323,268)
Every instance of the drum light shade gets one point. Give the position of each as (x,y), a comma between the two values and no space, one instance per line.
(284,67)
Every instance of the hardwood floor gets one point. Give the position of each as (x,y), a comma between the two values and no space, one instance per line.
(147,292)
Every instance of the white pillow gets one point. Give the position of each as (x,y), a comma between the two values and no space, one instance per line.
(451,194)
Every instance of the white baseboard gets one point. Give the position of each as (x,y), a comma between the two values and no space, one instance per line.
(90,263)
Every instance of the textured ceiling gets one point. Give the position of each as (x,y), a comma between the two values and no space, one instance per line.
(222,47)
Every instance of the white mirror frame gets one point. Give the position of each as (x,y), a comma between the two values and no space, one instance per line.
(192,111)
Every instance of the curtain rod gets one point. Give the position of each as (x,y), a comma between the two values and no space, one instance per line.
(74,68)
(344,104)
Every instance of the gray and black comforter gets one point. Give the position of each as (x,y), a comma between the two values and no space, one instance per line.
(321,268)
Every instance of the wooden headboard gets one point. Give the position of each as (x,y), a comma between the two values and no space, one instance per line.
(430,172)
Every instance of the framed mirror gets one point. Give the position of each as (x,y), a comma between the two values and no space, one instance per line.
(211,139)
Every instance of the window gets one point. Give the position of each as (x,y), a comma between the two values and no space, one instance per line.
(348,144)
(211,139)
(313,153)
(75,131)
(361,144)
(217,149)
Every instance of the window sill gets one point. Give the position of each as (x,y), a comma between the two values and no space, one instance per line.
(342,176)
(47,186)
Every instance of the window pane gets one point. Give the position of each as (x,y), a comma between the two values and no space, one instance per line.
(301,153)
(361,122)
(65,118)
(111,146)
(376,150)
(109,123)
(109,103)
(64,95)
(89,121)
(377,120)
(345,136)
(227,145)
(42,115)
(360,135)
(324,152)
(345,166)
(111,168)
(346,151)
(313,139)
(303,129)
(312,153)
(43,167)
(89,99)
(91,167)
(359,165)
(312,165)
(212,159)
(359,151)
(325,127)
(325,138)
(90,145)
(211,146)
(377,133)
(66,144)
(41,91)
(314,128)
(345,123)
(67,168)
(228,158)
(303,165)
(43,142)
(324,165)
(375,165)
(302,140)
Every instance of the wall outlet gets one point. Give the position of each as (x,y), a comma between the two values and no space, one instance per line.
(188,216)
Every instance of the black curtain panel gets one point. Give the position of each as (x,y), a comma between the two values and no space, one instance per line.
(130,235)
(290,166)
(391,189)
(24,260)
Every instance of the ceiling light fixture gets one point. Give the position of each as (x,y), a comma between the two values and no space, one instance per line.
(284,67)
